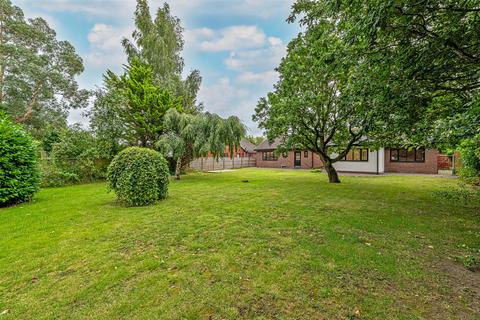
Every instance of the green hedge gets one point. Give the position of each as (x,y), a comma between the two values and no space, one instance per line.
(19,172)
(470,157)
(139,176)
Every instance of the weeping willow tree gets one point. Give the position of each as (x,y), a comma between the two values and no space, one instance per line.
(190,136)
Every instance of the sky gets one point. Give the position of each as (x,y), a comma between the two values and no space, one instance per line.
(236,44)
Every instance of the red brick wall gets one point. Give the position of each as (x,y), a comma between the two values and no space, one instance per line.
(429,166)
(444,162)
(288,162)
(236,153)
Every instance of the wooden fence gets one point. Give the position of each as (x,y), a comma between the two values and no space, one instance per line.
(211,164)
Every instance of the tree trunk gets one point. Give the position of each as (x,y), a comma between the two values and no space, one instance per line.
(332,173)
(28,114)
(186,159)
(177,168)
(2,76)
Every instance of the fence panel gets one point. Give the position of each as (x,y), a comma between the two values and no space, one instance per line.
(225,163)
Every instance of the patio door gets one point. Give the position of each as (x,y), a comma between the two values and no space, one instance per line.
(298,159)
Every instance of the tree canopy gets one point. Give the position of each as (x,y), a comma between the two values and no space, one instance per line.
(144,104)
(430,57)
(158,43)
(129,109)
(190,136)
(37,71)
(319,104)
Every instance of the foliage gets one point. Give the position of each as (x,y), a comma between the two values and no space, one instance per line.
(54,177)
(106,123)
(51,137)
(37,72)
(139,176)
(256,140)
(429,57)
(76,157)
(318,104)
(120,115)
(19,174)
(158,43)
(470,157)
(145,103)
(190,136)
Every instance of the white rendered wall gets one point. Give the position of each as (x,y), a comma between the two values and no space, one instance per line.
(381,160)
(369,166)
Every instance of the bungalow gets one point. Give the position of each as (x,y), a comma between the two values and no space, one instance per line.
(359,159)
(245,150)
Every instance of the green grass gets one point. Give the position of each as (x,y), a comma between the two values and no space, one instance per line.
(285,245)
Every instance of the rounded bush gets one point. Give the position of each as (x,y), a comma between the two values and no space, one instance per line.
(139,176)
(19,171)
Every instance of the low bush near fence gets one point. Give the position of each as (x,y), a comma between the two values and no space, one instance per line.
(72,171)
(54,177)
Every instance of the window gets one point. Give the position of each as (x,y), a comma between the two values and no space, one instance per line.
(269,156)
(356,154)
(407,155)
(305,154)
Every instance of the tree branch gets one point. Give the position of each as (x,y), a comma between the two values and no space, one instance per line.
(28,114)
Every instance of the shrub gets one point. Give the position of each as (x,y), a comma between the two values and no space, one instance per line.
(54,177)
(76,158)
(139,176)
(19,173)
(470,156)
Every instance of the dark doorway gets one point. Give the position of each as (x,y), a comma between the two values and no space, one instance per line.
(298,159)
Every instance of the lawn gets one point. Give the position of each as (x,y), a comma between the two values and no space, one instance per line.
(284,245)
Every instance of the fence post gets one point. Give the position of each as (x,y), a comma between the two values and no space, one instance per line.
(201,164)
(241,162)
(223,163)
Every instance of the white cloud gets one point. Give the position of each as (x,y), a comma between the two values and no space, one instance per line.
(193,37)
(226,98)
(184,8)
(264,58)
(104,36)
(221,97)
(105,48)
(274,41)
(266,78)
(226,39)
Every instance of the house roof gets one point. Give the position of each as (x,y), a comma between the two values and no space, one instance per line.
(265,145)
(247,145)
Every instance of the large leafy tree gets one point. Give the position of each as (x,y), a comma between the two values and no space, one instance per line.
(37,71)
(155,44)
(106,122)
(159,42)
(145,104)
(430,56)
(190,136)
(318,104)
